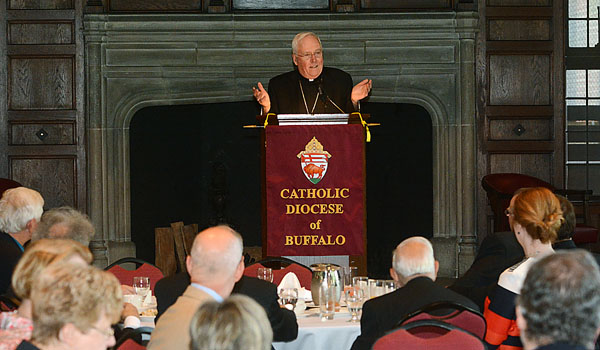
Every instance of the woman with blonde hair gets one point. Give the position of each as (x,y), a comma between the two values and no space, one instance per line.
(235,324)
(535,216)
(17,325)
(73,308)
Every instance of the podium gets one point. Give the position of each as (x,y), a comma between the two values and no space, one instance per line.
(313,187)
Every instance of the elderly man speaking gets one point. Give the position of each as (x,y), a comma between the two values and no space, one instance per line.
(214,265)
(311,88)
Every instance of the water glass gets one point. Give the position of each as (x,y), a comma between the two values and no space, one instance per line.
(288,297)
(362,282)
(326,302)
(349,273)
(376,288)
(265,273)
(390,286)
(141,285)
(354,301)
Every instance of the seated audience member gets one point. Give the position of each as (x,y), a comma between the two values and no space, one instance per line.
(534,215)
(501,250)
(20,211)
(415,269)
(65,222)
(17,326)
(73,309)
(238,323)
(559,305)
(214,265)
(283,321)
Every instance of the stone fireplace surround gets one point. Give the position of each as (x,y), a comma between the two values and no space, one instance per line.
(135,61)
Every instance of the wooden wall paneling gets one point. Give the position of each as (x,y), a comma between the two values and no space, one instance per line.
(42,133)
(37,83)
(40,4)
(43,125)
(154,5)
(519,79)
(280,5)
(519,30)
(558,94)
(55,177)
(520,85)
(405,4)
(44,33)
(4,171)
(510,3)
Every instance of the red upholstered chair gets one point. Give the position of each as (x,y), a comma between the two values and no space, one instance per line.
(455,314)
(129,344)
(429,335)
(143,268)
(501,187)
(5,184)
(303,273)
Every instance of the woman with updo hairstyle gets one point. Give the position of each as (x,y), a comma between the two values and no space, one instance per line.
(535,216)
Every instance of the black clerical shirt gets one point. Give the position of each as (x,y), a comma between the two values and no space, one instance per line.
(287,97)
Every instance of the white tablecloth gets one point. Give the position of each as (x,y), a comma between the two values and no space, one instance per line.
(314,334)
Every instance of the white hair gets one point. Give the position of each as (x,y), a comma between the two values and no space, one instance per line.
(407,261)
(17,207)
(299,38)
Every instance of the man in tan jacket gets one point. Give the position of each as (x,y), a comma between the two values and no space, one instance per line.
(214,265)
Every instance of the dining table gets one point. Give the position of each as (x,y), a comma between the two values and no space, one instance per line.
(317,334)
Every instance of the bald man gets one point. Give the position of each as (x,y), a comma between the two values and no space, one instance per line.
(215,265)
(415,269)
(20,212)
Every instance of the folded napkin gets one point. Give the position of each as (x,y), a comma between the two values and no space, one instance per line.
(290,280)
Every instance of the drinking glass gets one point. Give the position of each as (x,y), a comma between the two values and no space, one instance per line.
(354,301)
(265,273)
(362,282)
(141,285)
(288,297)
(390,286)
(376,288)
(349,273)
(326,302)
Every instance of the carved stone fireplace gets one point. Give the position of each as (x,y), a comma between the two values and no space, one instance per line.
(135,61)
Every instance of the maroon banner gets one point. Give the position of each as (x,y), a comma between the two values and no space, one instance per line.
(315,190)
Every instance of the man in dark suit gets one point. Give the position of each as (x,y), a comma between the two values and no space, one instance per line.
(415,269)
(20,212)
(497,252)
(283,321)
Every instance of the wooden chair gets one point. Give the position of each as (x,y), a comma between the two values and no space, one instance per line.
(500,188)
(281,266)
(428,335)
(6,184)
(143,268)
(453,313)
(173,244)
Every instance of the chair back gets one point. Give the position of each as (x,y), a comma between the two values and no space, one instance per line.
(5,184)
(143,268)
(452,313)
(8,303)
(428,335)
(129,344)
(500,188)
(303,272)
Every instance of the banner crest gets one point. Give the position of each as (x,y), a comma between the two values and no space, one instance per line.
(314,161)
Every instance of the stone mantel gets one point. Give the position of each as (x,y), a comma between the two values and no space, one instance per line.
(135,61)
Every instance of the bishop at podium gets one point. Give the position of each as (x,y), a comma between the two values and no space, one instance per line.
(311,88)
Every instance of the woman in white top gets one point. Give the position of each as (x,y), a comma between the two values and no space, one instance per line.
(535,216)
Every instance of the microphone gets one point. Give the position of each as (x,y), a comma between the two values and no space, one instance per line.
(326,98)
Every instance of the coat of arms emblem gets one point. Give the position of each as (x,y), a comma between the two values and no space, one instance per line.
(314,161)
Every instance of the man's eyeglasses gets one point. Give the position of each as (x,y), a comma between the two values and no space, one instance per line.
(309,55)
(508,212)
